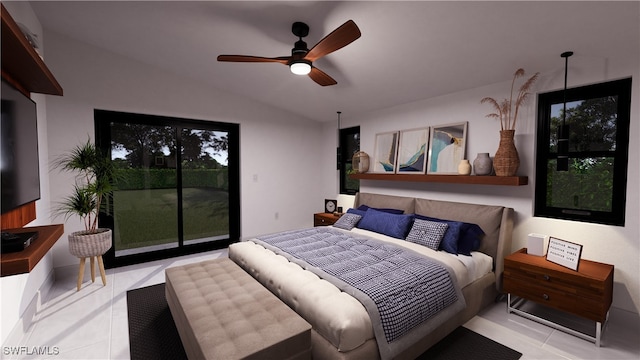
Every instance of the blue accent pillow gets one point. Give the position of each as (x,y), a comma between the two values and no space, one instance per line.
(460,238)
(347,221)
(394,225)
(471,239)
(390,211)
(356,211)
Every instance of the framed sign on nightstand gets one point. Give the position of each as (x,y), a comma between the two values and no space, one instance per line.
(564,253)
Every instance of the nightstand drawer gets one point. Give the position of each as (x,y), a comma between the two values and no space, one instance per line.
(591,308)
(548,278)
(324,219)
(587,292)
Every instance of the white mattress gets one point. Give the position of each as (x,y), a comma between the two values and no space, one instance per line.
(336,315)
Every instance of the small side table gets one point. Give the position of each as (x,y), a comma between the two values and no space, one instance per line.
(586,293)
(324,219)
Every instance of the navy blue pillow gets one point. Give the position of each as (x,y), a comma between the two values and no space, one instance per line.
(471,239)
(394,225)
(356,211)
(449,241)
(390,211)
(460,238)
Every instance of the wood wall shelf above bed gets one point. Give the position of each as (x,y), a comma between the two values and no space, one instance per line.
(450,179)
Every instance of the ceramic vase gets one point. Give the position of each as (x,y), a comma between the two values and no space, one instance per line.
(506,160)
(464,168)
(482,165)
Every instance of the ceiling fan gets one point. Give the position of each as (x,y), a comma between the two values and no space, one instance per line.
(301,60)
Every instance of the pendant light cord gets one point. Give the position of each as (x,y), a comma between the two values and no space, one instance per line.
(563,130)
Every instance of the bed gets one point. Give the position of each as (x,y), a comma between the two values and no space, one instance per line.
(345,322)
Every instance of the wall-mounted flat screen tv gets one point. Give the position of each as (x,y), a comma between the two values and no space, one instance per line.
(19,149)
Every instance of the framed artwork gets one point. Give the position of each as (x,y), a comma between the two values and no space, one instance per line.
(447,145)
(385,152)
(412,151)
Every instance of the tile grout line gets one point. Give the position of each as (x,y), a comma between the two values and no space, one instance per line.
(113,289)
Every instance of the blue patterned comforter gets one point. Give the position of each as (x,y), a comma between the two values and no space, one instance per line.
(405,293)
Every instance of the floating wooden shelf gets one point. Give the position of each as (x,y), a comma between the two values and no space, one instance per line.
(24,261)
(23,68)
(450,179)
(21,63)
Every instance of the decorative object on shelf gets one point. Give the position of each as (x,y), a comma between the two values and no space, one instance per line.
(506,160)
(95,174)
(412,157)
(330,206)
(482,165)
(32,38)
(447,147)
(507,110)
(562,162)
(360,162)
(564,253)
(464,168)
(386,152)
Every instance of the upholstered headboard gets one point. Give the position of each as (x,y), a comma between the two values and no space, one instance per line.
(495,221)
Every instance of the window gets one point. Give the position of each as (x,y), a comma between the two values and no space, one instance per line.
(177,186)
(349,145)
(594,187)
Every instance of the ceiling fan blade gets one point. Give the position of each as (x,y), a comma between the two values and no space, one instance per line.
(320,77)
(339,38)
(246,58)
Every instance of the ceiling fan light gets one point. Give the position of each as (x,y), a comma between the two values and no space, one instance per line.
(300,67)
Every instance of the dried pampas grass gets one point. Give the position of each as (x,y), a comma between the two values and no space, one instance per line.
(504,108)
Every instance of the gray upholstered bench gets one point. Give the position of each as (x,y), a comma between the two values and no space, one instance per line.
(221,312)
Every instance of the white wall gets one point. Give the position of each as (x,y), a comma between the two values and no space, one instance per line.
(275,147)
(615,245)
(20,295)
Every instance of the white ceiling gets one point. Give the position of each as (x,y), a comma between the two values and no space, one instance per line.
(408,50)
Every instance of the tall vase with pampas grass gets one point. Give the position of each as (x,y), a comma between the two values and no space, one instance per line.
(506,161)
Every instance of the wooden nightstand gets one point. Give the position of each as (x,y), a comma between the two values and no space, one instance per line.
(324,219)
(586,293)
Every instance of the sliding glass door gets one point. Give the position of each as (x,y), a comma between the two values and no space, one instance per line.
(177,187)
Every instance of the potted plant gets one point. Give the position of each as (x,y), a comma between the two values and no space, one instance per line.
(93,186)
(506,160)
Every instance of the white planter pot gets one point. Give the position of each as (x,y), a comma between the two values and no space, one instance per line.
(83,244)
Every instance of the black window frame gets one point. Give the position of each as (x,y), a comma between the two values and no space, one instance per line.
(345,158)
(102,121)
(621,89)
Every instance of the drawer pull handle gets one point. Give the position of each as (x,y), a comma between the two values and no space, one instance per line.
(545,296)
(546,277)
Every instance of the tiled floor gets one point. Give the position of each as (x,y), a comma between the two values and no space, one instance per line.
(92,323)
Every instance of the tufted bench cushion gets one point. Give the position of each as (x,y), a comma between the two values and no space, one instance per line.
(221,312)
